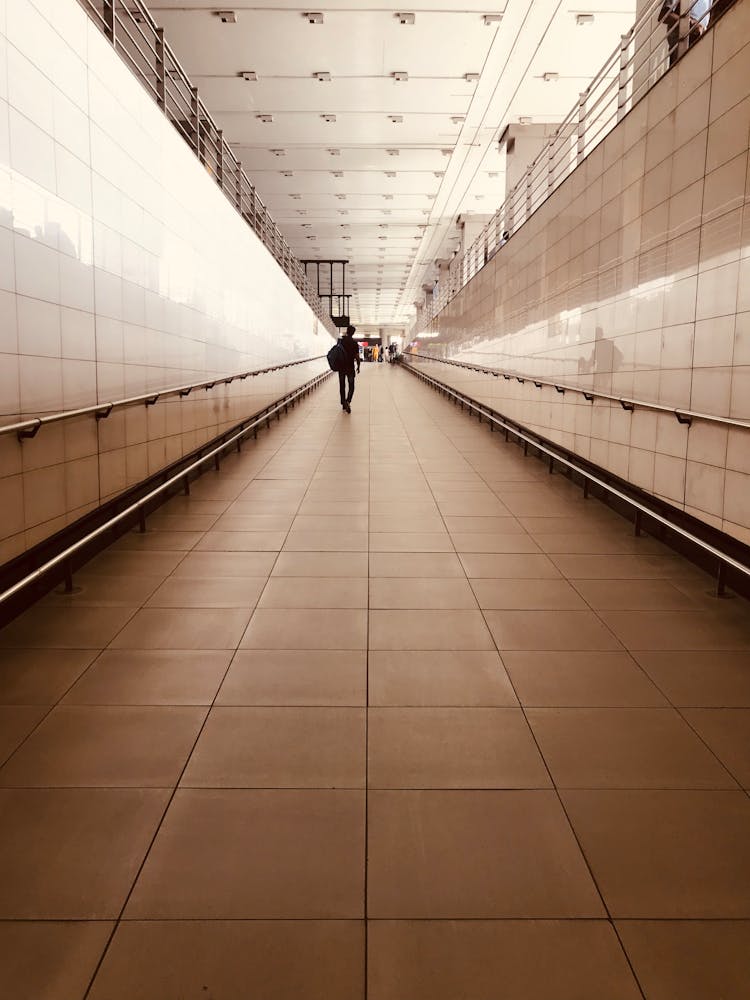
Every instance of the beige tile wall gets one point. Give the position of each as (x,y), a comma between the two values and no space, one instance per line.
(634,279)
(122,269)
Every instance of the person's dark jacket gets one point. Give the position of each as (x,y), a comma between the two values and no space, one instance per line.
(351,347)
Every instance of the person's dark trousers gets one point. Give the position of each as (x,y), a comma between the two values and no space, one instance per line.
(343,376)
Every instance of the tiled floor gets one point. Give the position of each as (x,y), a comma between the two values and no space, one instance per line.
(381,710)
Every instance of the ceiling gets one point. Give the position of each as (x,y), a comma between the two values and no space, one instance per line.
(383,182)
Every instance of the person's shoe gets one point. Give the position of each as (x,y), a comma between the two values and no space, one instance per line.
(347,408)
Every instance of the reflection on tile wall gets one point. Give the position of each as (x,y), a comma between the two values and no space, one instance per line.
(634,279)
(122,269)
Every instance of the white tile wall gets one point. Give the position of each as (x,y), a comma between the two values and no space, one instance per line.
(634,279)
(122,269)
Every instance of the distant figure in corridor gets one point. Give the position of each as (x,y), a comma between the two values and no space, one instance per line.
(351,347)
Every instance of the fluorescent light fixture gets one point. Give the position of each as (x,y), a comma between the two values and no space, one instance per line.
(492,18)
(458,119)
(266,119)
(227,16)
(396,119)
(287,173)
(323,77)
(313,17)
(337,173)
(329,118)
(405,18)
(297,197)
(278,152)
(335,152)
(524,120)
(341,197)
(584,18)
(401,76)
(550,77)
(471,77)
(249,75)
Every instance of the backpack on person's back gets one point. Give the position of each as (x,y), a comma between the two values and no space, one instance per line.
(337,358)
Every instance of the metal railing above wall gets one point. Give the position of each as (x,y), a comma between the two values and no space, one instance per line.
(642,512)
(29,428)
(644,55)
(683,416)
(143,48)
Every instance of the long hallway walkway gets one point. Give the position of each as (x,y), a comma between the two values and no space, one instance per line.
(379,665)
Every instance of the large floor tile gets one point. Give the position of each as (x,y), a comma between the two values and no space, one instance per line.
(445,960)
(452,748)
(95,591)
(666,854)
(438,677)
(474,854)
(415,564)
(700,679)
(314,592)
(677,630)
(40,677)
(633,595)
(272,628)
(241,541)
(624,748)
(410,541)
(561,630)
(420,593)
(296,677)
(279,748)
(49,960)
(509,566)
(212,564)
(208,592)
(580,679)
(151,677)
(491,542)
(255,854)
(689,959)
(197,628)
(317,564)
(275,960)
(621,567)
(428,630)
(527,595)
(104,746)
(73,853)
(333,540)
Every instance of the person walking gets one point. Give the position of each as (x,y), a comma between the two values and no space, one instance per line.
(346,372)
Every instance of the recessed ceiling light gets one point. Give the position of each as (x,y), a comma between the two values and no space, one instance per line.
(390,173)
(392,152)
(287,173)
(295,196)
(227,16)
(584,18)
(335,152)
(458,119)
(328,118)
(524,120)
(471,77)
(278,152)
(404,18)
(313,17)
(323,77)
(401,76)
(438,173)
(550,77)
(396,119)
(493,18)
(250,75)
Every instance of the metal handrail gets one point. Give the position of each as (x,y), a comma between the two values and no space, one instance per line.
(63,558)
(612,93)
(724,560)
(683,416)
(29,428)
(154,63)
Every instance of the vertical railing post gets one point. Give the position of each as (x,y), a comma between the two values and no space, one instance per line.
(551,164)
(161,92)
(220,158)
(528,193)
(108,15)
(511,215)
(622,81)
(581,133)
(238,188)
(683,41)
(195,120)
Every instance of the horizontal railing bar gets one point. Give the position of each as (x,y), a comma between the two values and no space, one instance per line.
(183,390)
(179,477)
(591,394)
(534,441)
